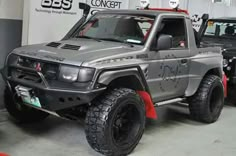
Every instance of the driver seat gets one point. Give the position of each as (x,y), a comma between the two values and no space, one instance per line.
(229,31)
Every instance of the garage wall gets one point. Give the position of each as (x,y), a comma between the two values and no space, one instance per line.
(10,31)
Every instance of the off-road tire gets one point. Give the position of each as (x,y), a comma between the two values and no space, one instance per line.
(207,103)
(102,117)
(20,112)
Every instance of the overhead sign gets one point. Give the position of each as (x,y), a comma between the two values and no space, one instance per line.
(50,20)
(57,7)
(174,4)
(57,4)
(98,5)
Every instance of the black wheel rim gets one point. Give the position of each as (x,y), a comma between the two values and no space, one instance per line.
(216,100)
(126,125)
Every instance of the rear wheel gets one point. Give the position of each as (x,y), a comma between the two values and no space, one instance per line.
(115,123)
(207,103)
(20,112)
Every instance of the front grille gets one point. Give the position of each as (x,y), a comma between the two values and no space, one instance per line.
(25,75)
(230,70)
(23,70)
(28,69)
(50,71)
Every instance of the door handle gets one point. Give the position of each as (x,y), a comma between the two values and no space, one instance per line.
(184,61)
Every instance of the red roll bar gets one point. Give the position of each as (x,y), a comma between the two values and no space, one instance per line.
(170,10)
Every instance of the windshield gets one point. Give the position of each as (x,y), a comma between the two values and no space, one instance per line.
(221,30)
(117,28)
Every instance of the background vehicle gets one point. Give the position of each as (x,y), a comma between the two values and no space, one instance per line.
(116,68)
(221,32)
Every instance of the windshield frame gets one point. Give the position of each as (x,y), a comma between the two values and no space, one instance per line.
(122,14)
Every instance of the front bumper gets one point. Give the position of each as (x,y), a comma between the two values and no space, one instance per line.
(53,99)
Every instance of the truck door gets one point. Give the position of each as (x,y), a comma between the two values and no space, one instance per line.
(170,67)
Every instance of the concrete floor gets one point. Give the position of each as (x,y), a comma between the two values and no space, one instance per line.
(173,134)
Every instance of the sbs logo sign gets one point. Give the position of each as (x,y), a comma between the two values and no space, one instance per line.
(57,4)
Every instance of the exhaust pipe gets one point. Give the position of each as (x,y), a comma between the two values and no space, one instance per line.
(205,18)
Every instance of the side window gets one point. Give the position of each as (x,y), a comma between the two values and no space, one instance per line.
(175,27)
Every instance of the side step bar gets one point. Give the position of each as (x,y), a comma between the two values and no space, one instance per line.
(169,102)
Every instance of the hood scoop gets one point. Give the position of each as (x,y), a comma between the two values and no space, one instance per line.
(65,46)
(70,47)
(53,44)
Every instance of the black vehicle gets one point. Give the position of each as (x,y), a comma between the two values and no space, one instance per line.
(222,32)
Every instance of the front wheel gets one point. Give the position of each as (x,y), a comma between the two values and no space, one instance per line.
(20,112)
(116,122)
(207,103)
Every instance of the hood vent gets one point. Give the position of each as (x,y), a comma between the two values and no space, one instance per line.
(53,44)
(70,47)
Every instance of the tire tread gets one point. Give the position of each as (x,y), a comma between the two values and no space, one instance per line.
(198,101)
(97,118)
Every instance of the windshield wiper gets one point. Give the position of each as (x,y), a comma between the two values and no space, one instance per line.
(116,40)
(88,37)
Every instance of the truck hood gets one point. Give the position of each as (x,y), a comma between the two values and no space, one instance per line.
(76,51)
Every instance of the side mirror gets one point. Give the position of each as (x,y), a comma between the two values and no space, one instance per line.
(164,42)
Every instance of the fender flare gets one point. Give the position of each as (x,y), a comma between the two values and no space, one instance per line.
(107,76)
(196,80)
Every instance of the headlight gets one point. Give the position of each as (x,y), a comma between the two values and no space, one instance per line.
(73,74)
(68,73)
(86,74)
(225,63)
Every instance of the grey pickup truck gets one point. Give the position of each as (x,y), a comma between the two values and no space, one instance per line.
(115,68)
